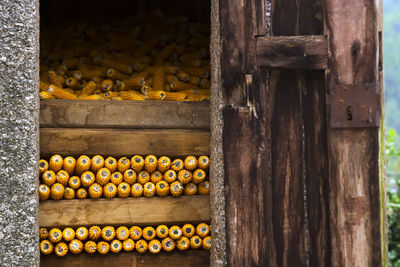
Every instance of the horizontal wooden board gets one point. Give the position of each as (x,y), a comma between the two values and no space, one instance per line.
(124,211)
(124,114)
(198,258)
(292,52)
(118,142)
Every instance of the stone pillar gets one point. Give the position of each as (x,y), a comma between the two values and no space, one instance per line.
(19,132)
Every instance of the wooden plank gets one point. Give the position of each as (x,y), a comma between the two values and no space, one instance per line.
(354,180)
(76,141)
(124,114)
(198,258)
(292,52)
(127,211)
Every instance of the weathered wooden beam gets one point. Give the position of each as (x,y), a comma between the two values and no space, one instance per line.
(292,52)
(355,189)
(124,114)
(77,141)
(192,258)
(124,211)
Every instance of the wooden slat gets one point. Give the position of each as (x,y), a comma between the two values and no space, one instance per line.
(355,185)
(124,114)
(76,141)
(191,258)
(292,52)
(127,211)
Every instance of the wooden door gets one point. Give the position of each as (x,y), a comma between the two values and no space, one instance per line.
(304,183)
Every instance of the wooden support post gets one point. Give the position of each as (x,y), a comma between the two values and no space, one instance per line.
(354,175)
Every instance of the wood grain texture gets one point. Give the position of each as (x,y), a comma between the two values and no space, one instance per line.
(354,182)
(191,258)
(292,52)
(124,114)
(124,211)
(76,141)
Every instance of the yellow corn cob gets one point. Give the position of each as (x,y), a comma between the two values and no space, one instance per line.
(188,230)
(61,249)
(199,176)
(204,188)
(135,83)
(69,90)
(62,177)
(141,246)
(139,67)
(202,230)
(103,176)
(145,89)
(197,97)
(107,85)
(154,246)
(56,162)
(183,243)
(69,193)
(156,95)
(168,244)
(207,243)
(149,189)
(124,190)
(49,177)
(43,166)
(119,86)
(159,79)
(91,97)
(74,182)
(90,247)
(164,163)
(110,190)
(190,189)
(46,247)
(44,192)
(69,165)
(89,88)
(43,233)
(129,176)
(137,190)
(175,232)
(46,95)
(83,164)
(177,165)
(110,95)
(82,233)
(53,79)
(95,190)
(203,162)
(194,80)
(184,176)
(175,96)
(75,246)
(195,242)
(164,54)
(123,164)
(118,98)
(115,246)
(81,193)
(73,83)
(89,74)
(197,71)
(57,191)
(146,47)
(116,75)
(43,86)
(176,189)
(128,245)
(119,66)
(68,234)
(103,247)
(180,86)
(116,178)
(97,163)
(59,93)
(162,188)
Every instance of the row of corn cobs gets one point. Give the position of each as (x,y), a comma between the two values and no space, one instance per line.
(96,177)
(124,238)
(147,57)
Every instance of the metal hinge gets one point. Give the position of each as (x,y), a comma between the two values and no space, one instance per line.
(355,106)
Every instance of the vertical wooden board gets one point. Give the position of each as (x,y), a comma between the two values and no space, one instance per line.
(287,154)
(248,205)
(354,203)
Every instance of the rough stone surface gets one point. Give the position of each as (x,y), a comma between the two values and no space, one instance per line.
(19,109)
(217,199)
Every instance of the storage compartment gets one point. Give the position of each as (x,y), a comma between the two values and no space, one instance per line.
(147,65)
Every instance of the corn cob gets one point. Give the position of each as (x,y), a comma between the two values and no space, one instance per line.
(103,247)
(170,176)
(116,178)
(184,176)
(206,243)
(129,95)
(141,246)
(68,234)
(162,188)
(91,97)
(203,162)
(103,176)
(143,177)
(82,164)
(137,190)
(90,247)
(123,164)
(190,189)
(154,246)
(137,163)
(199,176)
(82,233)
(135,232)
(49,177)
(151,163)
(156,95)
(146,47)
(69,165)
(122,233)
(57,191)
(55,235)
(110,190)
(190,163)
(94,232)
(108,233)
(44,192)
(163,54)
(175,232)
(73,83)
(128,245)
(95,190)
(43,166)
(183,243)
(87,178)
(54,79)
(124,190)
(62,177)
(129,176)
(75,246)
(59,93)
(46,95)
(195,242)
(97,163)
(43,233)
(111,164)
(149,233)
(204,188)
(159,79)
(156,177)
(168,244)
(149,189)
(81,193)
(46,247)
(56,163)
(134,83)
(107,85)
(61,249)
(176,189)
(69,193)
(89,89)
(116,246)
(113,74)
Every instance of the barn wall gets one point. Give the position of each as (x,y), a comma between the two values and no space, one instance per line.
(19,130)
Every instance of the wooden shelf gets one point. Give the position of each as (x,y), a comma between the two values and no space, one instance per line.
(124,211)
(198,258)
(124,114)
(110,142)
